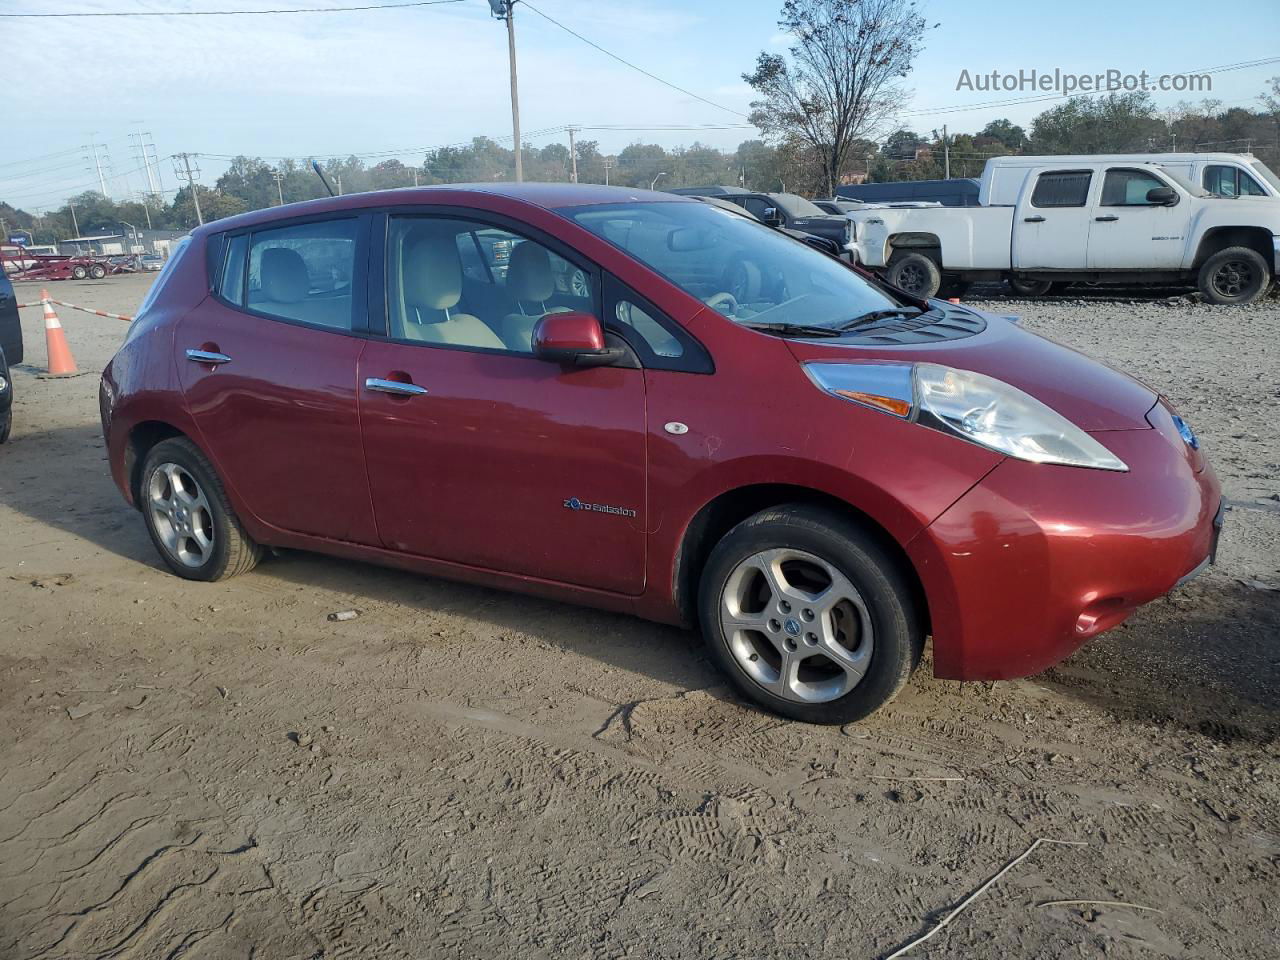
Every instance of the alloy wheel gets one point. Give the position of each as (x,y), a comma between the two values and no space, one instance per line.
(181,514)
(796,625)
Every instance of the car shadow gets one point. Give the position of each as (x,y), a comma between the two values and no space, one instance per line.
(1203,659)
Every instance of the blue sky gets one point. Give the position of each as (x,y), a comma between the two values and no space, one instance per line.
(336,84)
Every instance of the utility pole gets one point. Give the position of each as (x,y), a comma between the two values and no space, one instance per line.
(278,177)
(609,164)
(337,182)
(415,176)
(946,154)
(146,159)
(146,208)
(573,155)
(505,10)
(190,177)
(97,164)
(75,226)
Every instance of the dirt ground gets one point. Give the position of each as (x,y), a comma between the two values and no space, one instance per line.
(218,771)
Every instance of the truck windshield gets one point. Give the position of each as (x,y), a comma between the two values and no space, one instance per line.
(741,269)
(1267,174)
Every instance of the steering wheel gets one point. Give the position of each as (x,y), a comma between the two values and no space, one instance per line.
(717,301)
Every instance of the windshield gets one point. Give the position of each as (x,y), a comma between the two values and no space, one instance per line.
(797,206)
(741,269)
(1267,174)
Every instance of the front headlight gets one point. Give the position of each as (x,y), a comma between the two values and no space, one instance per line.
(975,407)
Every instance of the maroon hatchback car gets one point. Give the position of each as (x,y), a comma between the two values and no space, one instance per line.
(643,403)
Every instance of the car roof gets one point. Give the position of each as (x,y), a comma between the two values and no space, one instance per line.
(550,196)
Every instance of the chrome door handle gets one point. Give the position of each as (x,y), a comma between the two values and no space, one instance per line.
(206,356)
(1033,219)
(394,386)
(1106,219)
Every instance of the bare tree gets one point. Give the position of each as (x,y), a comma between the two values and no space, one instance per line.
(838,83)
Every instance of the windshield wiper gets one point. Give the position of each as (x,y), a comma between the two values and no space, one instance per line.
(793,329)
(874,315)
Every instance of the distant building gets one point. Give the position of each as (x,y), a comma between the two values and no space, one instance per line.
(124,241)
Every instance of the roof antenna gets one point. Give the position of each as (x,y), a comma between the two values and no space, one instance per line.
(315,165)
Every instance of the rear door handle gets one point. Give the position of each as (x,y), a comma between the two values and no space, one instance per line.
(1033,219)
(394,386)
(207,356)
(1105,219)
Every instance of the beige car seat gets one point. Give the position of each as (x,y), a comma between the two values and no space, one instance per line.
(530,283)
(431,283)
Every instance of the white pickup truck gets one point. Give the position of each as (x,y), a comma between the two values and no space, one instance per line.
(1075,219)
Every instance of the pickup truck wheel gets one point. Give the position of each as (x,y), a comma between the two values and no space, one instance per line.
(916,274)
(808,616)
(78,272)
(1236,275)
(1029,288)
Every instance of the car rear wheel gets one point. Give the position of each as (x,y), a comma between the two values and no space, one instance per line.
(1236,275)
(916,274)
(189,517)
(78,272)
(6,425)
(809,616)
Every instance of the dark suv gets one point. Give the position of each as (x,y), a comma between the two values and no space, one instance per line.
(784,210)
(10,351)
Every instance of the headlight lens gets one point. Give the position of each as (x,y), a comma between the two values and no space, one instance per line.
(975,407)
(4,384)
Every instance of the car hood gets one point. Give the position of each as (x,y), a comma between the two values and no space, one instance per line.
(1087,392)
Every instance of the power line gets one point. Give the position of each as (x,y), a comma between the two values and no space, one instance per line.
(628,63)
(228,13)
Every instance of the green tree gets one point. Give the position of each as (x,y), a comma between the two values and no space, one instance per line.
(1115,123)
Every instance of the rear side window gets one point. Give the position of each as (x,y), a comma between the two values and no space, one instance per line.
(304,273)
(231,283)
(1062,188)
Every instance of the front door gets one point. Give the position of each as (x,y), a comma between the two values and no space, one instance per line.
(479,453)
(1130,233)
(1051,223)
(268,367)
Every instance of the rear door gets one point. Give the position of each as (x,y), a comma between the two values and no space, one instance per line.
(1051,227)
(1129,232)
(268,366)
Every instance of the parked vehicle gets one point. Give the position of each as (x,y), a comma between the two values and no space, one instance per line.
(1221,174)
(10,352)
(819,473)
(846,207)
(956,192)
(785,210)
(150,262)
(825,244)
(1082,220)
(25,266)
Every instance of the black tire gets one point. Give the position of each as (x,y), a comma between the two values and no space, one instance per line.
(6,425)
(1236,275)
(78,272)
(859,557)
(1029,288)
(1058,288)
(916,274)
(232,551)
(97,271)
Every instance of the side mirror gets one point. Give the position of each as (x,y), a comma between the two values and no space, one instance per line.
(572,340)
(771,217)
(1162,196)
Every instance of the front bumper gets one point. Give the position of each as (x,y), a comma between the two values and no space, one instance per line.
(1035,560)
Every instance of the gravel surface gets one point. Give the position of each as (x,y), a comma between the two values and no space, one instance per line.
(224,771)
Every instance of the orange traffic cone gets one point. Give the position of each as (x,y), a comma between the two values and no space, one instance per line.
(61,363)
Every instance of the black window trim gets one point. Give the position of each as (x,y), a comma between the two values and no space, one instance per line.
(359,271)
(1149,173)
(1058,173)
(694,358)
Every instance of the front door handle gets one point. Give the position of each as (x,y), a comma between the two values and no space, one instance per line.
(394,386)
(1105,219)
(207,356)
(1033,219)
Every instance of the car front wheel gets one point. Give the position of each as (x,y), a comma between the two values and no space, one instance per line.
(809,616)
(189,517)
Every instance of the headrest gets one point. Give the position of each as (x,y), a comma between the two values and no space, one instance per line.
(432,271)
(284,275)
(529,273)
